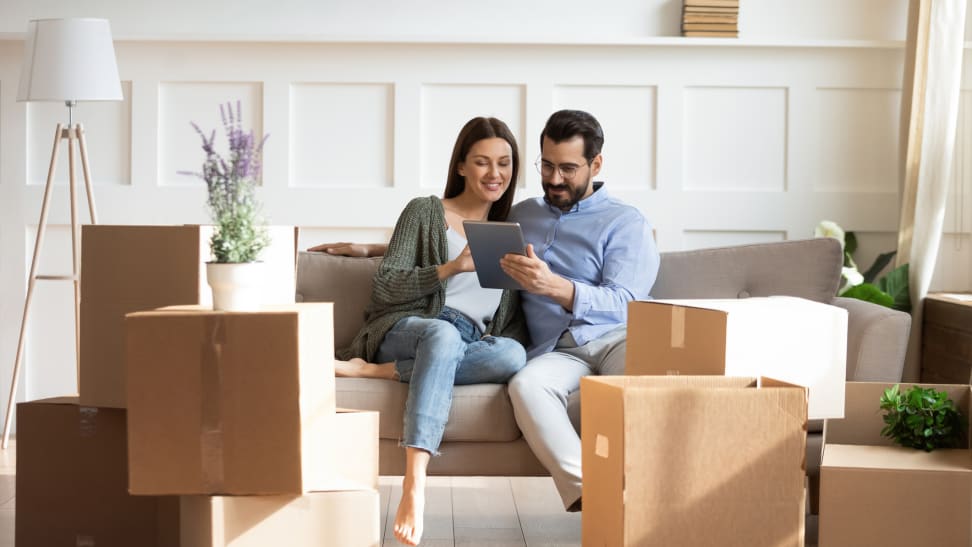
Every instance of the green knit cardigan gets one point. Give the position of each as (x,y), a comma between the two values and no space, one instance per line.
(407,282)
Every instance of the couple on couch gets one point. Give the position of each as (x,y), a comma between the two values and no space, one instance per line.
(431,325)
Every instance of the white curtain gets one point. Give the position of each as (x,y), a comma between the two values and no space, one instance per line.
(929,113)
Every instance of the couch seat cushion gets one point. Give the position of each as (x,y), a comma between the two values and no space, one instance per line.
(480,412)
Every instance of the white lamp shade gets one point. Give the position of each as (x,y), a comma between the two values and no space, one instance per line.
(69,60)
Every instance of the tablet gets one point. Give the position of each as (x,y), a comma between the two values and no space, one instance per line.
(488,242)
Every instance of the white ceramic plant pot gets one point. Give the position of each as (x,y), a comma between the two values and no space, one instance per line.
(236,287)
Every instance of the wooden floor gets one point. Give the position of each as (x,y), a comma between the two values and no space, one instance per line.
(487,511)
(7,470)
(460,511)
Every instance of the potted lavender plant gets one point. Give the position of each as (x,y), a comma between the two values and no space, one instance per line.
(240,233)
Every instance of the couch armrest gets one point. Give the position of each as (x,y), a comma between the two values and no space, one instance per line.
(877,340)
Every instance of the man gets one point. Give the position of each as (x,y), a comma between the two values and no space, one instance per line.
(588,255)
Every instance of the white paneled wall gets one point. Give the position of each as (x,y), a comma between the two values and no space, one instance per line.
(716,159)
(318,151)
(628,111)
(444,108)
(718,145)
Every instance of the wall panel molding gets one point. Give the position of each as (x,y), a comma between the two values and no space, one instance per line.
(359,128)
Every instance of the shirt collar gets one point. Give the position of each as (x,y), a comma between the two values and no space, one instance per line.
(596,198)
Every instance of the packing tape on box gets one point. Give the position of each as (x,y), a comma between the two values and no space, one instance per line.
(678,327)
(87,421)
(211,436)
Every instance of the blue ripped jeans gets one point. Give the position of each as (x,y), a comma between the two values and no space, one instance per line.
(432,356)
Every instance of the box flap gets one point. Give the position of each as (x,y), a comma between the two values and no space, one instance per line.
(850,456)
(674,381)
(602,456)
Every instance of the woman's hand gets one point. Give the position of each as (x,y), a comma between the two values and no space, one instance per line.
(345,248)
(464,262)
(460,264)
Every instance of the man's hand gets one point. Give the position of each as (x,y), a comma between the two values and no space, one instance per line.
(534,276)
(345,248)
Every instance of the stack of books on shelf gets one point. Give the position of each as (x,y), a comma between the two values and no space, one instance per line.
(717,18)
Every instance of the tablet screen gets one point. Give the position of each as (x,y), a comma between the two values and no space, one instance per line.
(488,242)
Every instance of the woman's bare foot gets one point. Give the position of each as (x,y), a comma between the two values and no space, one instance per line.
(359,368)
(409,518)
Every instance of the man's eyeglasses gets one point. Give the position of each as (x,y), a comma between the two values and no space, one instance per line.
(567,170)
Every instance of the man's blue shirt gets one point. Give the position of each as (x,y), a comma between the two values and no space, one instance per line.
(602,245)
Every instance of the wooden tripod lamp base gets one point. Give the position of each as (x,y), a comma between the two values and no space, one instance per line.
(74,134)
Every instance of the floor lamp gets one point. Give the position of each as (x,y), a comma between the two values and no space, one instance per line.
(65,60)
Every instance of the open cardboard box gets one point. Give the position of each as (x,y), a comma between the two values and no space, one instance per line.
(873,491)
(692,460)
(792,339)
(126,269)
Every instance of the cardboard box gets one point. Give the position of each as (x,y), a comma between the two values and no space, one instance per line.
(134,268)
(72,481)
(787,338)
(241,403)
(318,519)
(874,491)
(692,460)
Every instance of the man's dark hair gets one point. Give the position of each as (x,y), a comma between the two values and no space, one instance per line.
(566,124)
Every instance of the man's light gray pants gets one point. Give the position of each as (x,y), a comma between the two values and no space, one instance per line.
(540,391)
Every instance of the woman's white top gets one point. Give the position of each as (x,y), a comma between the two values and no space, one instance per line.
(463,292)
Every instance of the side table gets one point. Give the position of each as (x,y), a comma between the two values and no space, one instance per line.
(946,341)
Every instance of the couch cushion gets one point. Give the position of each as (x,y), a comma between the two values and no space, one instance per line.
(808,268)
(346,281)
(480,412)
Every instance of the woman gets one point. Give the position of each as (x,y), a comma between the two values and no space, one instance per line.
(429,323)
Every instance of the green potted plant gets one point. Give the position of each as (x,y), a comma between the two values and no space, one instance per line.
(922,418)
(890,290)
(240,234)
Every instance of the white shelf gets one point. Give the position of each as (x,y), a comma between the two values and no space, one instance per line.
(634,41)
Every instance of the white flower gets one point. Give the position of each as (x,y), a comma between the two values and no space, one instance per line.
(829,228)
(852,278)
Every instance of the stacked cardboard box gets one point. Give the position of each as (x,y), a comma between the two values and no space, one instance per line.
(234,404)
(72,481)
(326,519)
(235,412)
(72,472)
(870,488)
(716,18)
(133,268)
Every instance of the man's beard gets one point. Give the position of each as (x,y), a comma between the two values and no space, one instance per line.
(574,195)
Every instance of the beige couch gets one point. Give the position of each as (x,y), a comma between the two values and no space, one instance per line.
(482,438)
